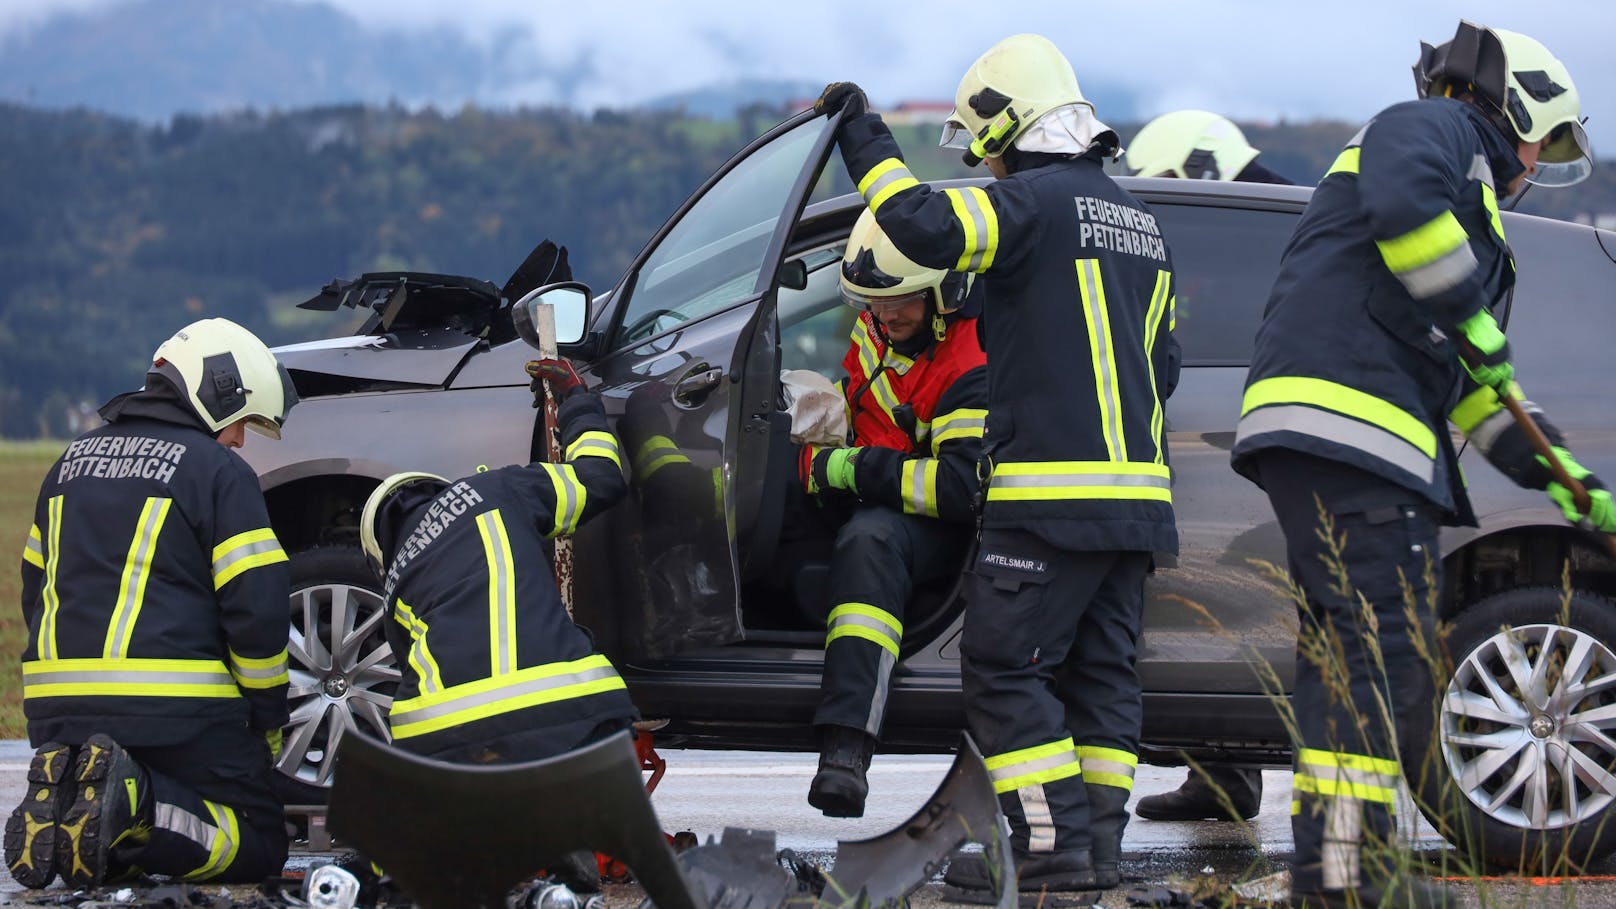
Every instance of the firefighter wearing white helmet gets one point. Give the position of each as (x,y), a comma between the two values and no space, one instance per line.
(1196,145)
(1077,319)
(895,502)
(155,674)
(1379,332)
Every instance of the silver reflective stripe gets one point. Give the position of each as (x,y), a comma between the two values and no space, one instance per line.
(501,593)
(245,551)
(973,208)
(133,587)
(569,494)
(1331,427)
(951,428)
(484,698)
(183,823)
(915,477)
(1486,434)
(1060,758)
(1101,765)
(1105,371)
(1357,137)
(33,551)
(871,623)
(878,697)
(273,673)
(597,448)
(1480,170)
(1435,277)
(874,191)
(1040,820)
(1030,481)
(138,678)
(1343,835)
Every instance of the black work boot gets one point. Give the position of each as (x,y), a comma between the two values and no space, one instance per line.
(839,787)
(1198,799)
(1043,872)
(30,840)
(1108,817)
(114,805)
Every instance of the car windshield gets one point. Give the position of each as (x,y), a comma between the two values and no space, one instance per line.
(714,256)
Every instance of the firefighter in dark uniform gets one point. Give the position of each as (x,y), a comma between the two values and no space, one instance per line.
(1200,145)
(1380,329)
(155,675)
(494,670)
(1077,325)
(900,500)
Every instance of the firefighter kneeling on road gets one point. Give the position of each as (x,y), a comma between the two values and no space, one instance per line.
(1379,331)
(155,675)
(898,501)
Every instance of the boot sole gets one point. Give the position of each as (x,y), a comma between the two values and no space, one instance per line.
(31,831)
(81,854)
(835,798)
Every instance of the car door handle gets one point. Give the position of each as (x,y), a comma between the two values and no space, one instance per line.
(691,390)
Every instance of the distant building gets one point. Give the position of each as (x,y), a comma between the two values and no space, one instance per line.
(913,113)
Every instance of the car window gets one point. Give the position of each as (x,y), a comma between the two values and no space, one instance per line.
(1225,260)
(814,323)
(713,257)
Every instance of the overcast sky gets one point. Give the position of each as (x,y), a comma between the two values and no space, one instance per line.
(1250,59)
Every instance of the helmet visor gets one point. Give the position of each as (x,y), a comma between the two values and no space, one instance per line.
(264,426)
(1566,159)
(955,135)
(873,304)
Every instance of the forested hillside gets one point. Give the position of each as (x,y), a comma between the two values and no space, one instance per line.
(113,233)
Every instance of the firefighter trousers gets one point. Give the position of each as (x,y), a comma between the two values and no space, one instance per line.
(1051,692)
(215,815)
(879,556)
(1364,554)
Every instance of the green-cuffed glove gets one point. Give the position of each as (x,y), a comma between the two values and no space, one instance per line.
(274,738)
(833,469)
(1487,359)
(1601,514)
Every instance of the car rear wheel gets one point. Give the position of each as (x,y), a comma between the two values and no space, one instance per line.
(1520,766)
(343,675)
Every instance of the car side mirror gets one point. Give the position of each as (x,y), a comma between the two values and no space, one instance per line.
(793,274)
(568,303)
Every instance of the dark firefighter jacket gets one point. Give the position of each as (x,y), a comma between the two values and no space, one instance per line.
(1078,320)
(488,650)
(154,589)
(1355,358)
(919,419)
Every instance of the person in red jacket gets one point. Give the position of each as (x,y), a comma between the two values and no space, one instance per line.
(900,499)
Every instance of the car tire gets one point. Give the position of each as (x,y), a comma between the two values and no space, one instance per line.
(1523,781)
(343,674)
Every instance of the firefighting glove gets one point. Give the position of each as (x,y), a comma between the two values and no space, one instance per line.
(1601,514)
(833,469)
(1486,351)
(274,738)
(845,96)
(563,379)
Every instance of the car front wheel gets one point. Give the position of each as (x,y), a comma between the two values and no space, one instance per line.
(1519,768)
(343,675)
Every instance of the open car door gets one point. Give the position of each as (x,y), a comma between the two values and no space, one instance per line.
(687,330)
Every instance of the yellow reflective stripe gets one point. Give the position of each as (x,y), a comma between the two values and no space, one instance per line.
(1050,480)
(961,423)
(1107,766)
(127,677)
(919,486)
(225,842)
(483,698)
(1337,788)
(1479,405)
(1153,317)
(569,498)
(259,672)
(429,679)
(884,179)
(1424,244)
(980,225)
(501,592)
(595,444)
(244,552)
(870,623)
(136,572)
(1296,807)
(1102,356)
(33,551)
(1489,201)
(1342,399)
(868,357)
(1346,162)
(885,396)
(1029,766)
(46,643)
(656,453)
(1348,761)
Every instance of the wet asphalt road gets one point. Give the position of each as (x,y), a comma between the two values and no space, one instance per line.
(704,792)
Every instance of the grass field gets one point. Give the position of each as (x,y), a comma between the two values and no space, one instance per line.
(22,467)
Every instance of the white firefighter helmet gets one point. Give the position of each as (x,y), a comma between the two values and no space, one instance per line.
(876,275)
(1006,90)
(1190,145)
(369,541)
(227,374)
(1519,84)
